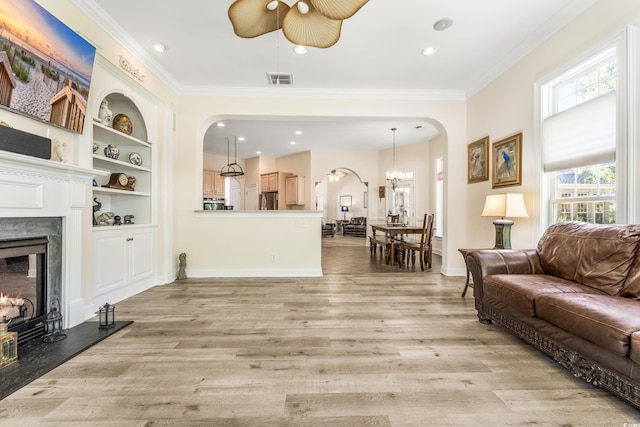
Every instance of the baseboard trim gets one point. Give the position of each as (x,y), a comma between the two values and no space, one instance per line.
(258,272)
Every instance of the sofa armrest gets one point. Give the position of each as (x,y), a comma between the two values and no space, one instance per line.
(485,262)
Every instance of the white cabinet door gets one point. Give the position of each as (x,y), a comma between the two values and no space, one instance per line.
(110,263)
(122,258)
(140,246)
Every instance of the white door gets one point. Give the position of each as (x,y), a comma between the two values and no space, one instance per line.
(251,198)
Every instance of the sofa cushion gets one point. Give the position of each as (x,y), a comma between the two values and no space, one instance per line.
(634,352)
(519,291)
(631,287)
(604,320)
(599,256)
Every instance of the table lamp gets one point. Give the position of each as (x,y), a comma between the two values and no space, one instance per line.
(504,205)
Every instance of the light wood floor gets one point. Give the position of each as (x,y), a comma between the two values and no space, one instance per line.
(365,345)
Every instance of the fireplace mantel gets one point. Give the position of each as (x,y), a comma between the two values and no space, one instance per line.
(32,188)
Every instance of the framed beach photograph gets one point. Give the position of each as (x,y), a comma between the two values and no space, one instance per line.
(478,161)
(507,161)
(45,66)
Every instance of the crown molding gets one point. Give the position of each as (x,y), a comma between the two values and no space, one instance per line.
(567,14)
(116,32)
(293,93)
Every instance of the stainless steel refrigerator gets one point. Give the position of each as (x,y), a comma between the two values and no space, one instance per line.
(269,201)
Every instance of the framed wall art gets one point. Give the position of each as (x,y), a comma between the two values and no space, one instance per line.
(46,66)
(507,161)
(345,201)
(478,161)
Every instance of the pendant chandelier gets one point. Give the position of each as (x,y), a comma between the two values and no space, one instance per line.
(314,23)
(232,169)
(392,178)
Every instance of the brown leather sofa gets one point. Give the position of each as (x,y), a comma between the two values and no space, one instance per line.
(575,298)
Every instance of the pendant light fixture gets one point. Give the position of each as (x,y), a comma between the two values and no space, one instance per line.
(392,177)
(232,169)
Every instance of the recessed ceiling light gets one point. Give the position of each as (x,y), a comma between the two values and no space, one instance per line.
(292,143)
(220,124)
(300,50)
(429,51)
(159,47)
(442,24)
(241,138)
(258,152)
(298,132)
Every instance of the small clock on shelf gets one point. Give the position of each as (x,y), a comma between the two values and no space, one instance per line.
(121,181)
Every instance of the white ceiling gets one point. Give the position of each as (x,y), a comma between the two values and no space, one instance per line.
(379,52)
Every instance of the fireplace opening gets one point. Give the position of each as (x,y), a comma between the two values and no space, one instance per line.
(23,286)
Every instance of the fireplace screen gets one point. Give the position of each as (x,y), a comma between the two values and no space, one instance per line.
(23,285)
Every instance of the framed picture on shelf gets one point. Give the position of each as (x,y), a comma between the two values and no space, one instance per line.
(507,161)
(345,201)
(478,161)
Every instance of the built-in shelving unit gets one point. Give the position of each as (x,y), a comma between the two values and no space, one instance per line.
(123,255)
(124,202)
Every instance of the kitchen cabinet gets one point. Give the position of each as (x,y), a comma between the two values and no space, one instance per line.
(212,184)
(294,190)
(269,182)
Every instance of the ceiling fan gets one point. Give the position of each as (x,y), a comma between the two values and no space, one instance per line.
(335,175)
(314,23)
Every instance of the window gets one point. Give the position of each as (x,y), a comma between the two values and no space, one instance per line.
(438,224)
(402,201)
(586,194)
(579,141)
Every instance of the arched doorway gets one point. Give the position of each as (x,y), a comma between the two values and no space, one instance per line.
(342,195)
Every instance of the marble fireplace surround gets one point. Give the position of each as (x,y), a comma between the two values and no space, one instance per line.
(32,188)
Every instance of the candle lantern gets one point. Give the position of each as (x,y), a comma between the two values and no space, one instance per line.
(8,345)
(53,325)
(107,316)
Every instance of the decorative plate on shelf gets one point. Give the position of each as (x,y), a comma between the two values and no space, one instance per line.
(122,123)
(135,159)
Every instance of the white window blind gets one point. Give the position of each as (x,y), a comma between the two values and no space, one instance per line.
(581,136)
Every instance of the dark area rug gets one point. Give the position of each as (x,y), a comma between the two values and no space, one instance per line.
(36,358)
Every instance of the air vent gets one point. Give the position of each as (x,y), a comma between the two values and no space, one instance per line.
(282,79)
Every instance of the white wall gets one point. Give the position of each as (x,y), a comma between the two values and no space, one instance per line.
(505,107)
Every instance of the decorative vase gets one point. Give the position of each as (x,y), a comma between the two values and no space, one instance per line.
(96,146)
(123,124)
(112,152)
(104,114)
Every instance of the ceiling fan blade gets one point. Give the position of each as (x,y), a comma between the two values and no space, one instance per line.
(251,18)
(311,28)
(338,9)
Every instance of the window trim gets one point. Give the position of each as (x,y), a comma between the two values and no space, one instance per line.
(625,58)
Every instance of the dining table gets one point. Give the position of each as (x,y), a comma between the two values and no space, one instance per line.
(395,232)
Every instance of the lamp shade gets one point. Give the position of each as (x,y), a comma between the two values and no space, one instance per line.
(506,205)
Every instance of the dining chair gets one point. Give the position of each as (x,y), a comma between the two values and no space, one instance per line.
(407,249)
